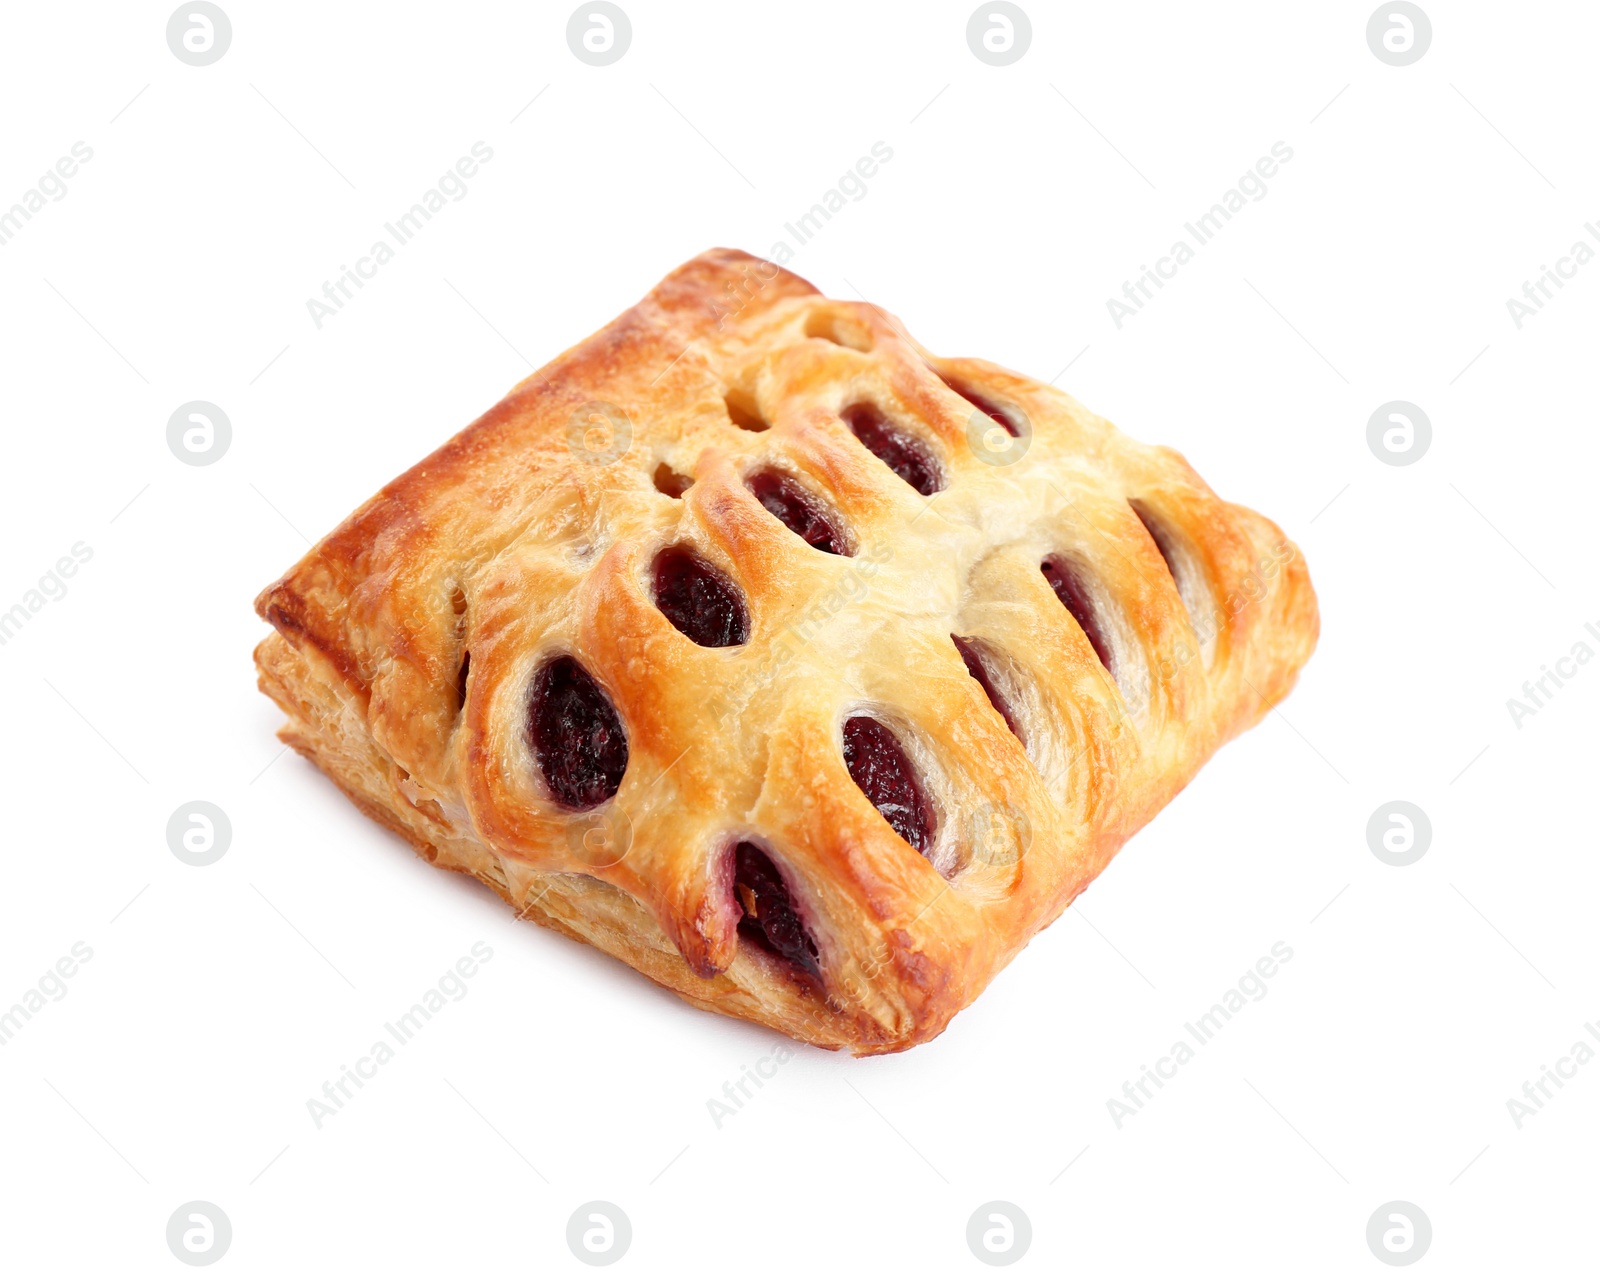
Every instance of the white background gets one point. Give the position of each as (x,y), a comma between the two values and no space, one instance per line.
(1378,266)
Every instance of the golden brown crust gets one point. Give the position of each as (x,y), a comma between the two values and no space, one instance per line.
(531,534)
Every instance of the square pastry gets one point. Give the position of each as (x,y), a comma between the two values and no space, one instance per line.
(806,672)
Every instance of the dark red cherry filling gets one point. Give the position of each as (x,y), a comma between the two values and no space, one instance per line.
(576,736)
(1158,535)
(982,404)
(766,915)
(705,605)
(797,511)
(905,455)
(884,773)
(1073,591)
(977,667)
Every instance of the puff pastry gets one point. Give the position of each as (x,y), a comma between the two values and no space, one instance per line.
(806,672)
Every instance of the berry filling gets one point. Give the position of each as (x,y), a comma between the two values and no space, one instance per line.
(797,511)
(980,671)
(766,915)
(1073,592)
(905,455)
(576,736)
(699,600)
(884,773)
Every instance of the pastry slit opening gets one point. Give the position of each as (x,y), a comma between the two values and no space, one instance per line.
(1163,541)
(1071,586)
(823,323)
(767,917)
(1187,576)
(884,773)
(898,450)
(983,404)
(671,482)
(798,511)
(743,412)
(458,608)
(577,738)
(974,658)
(704,605)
